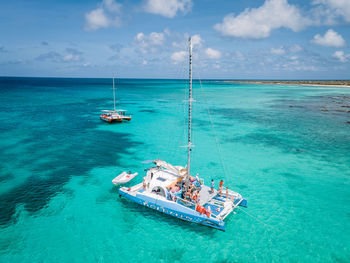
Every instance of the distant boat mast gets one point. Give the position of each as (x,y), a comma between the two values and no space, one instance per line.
(113,93)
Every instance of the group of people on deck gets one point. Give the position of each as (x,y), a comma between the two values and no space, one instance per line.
(189,193)
(221,188)
(192,193)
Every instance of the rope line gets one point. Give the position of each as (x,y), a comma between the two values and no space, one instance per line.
(220,153)
(213,129)
(257,219)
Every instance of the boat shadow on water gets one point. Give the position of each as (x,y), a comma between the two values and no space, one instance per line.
(118,122)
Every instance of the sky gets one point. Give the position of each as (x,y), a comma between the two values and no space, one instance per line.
(233,39)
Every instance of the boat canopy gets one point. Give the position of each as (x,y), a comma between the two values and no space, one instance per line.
(179,170)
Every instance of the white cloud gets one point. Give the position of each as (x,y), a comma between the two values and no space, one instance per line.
(167,8)
(140,36)
(197,41)
(179,56)
(71,57)
(167,31)
(278,51)
(341,56)
(259,22)
(182,41)
(156,38)
(295,48)
(212,53)
(149,43)
(96,19)
(330,39)
(107,14)
(112,6)
(333,8)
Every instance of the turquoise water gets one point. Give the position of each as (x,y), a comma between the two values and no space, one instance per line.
(284,148)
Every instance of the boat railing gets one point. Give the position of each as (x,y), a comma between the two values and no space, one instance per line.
(227,212)
(237,204)
(184,201)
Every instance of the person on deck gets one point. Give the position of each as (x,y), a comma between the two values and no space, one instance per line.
(212,186)
(144,183)
(188,195)
(220,187)
(197,183)
(208,211)
(195,196)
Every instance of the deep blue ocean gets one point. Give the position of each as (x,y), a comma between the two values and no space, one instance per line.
(285,148)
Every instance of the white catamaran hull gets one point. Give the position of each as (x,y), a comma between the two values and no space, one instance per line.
(170,208)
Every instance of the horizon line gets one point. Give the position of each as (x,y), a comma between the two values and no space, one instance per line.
(146,78)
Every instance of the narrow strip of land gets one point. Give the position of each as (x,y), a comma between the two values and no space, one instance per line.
(345,83)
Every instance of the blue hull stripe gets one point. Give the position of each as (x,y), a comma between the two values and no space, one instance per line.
(175,210)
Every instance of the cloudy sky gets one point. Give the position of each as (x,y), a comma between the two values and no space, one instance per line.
(233,39)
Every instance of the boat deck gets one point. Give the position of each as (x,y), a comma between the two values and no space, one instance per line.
(215,209)
(206,195)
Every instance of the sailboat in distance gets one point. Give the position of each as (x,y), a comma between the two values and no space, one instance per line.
(172,190)
(114,115)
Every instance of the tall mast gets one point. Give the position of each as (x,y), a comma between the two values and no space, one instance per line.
(113,93)
(189,109)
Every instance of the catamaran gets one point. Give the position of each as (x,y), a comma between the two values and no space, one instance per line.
(172,190)
(114,115)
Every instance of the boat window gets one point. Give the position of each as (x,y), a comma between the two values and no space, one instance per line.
(161,179)
(158,190)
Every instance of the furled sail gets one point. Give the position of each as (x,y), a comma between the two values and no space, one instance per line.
(181,171)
